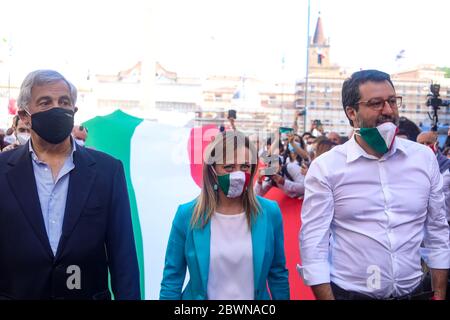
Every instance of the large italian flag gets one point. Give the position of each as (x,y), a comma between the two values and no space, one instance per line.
(163,169)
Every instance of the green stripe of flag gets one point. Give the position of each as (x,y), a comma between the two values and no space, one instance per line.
(112,134)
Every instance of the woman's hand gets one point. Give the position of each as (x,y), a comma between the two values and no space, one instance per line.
(290,137)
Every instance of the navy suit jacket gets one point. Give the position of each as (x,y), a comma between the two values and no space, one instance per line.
(97,232)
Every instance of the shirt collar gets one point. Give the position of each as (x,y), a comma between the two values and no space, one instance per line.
(354,150)
(36,159)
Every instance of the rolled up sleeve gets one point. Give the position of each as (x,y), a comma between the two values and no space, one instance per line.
(317,214)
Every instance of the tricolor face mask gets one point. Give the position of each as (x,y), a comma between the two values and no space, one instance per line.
(380,138)
(233,184)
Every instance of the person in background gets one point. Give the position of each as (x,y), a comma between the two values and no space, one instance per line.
(446,152)
(344,139)
(80,134)
(317,128)
(402,134)
(3,144)
(430,139)
(264,180)
(408,128)
(296,144)
(232,114)
(288,177)
(229,239)
(22,133)
(323,146)
(334,137)
(447,140)
(10,138)
(306,136)
(315,144)
(309,140)
(265,147)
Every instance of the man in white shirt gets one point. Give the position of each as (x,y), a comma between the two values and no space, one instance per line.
(374,206)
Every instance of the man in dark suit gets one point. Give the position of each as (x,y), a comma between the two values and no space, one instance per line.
(65,217)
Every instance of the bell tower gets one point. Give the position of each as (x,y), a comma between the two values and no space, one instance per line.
(319,48)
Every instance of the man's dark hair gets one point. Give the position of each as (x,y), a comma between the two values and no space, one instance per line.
(324,146)
(447,142)
(409,128)
(350,88)
(446,151)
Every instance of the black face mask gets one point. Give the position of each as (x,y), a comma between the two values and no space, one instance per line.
(53,125)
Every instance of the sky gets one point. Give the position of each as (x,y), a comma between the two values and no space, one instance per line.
(239,37)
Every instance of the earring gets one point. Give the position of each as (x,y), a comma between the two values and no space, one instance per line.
(215,187)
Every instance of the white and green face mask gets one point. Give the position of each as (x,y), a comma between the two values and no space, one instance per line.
(233,184)
(380,138)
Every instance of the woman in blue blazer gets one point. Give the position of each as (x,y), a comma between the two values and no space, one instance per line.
(230,240)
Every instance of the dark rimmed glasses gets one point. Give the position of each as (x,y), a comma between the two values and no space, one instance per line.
(378,103)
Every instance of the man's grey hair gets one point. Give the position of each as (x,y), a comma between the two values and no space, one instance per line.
(39,78)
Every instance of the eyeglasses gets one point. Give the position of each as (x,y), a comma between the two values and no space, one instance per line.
(230,167)
(378,103)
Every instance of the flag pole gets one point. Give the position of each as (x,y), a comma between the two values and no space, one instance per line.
(307,67)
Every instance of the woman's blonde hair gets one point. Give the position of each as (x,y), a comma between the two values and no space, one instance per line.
(222,150)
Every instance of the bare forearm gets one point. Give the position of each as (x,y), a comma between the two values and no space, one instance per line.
(295,125)
(302,153)
(323,291)
(274,148)
(439,279)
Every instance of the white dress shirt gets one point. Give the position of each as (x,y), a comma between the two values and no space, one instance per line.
(231,258)
(364,219)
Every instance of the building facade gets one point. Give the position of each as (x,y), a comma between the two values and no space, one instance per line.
(319,96)
(260,105)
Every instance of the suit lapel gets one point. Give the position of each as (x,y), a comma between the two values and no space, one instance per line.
(23,185)
(202,243)
(80,184)
(259,234)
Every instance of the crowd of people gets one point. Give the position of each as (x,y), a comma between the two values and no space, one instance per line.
(375,211)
